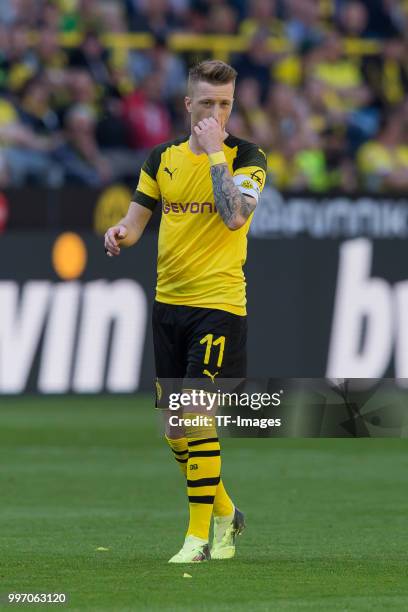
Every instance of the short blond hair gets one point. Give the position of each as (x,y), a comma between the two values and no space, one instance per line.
(215,72)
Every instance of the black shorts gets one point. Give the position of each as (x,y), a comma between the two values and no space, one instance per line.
(192,342)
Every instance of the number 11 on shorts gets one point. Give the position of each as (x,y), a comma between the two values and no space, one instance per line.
(210,342)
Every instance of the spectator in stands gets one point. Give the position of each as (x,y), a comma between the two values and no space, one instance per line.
(344,93)
(146,116)
(13,11)
(286,112)
(52,17)
(323,106)
(80,16)
(222,20)
(92,57)
(25,151)
(303,26)
(311,164)
(82,89)
(344,87)
(353,20)
(196,20)
(320,117)
(112,138)
(4,47)
(305,162)
(81,156)
(34,107)
(113,17)
(20,60)
(160,60)
(398,14)
(155,16)
(122,82)
(283,170)
(340,166)
(256,62)
(387,74)
(48,52)
(262,18)
(380,20)
(383,161)
(255,119)
(8,117)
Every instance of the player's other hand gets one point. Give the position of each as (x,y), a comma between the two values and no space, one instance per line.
(209,135)
(113,237)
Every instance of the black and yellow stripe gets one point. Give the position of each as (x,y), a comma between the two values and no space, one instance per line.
(201,499)
(180,452)
(203,478)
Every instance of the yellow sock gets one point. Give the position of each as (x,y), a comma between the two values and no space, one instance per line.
(223,505)
(180,452)
(203,477)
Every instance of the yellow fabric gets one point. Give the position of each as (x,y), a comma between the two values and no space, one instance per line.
(199,259)
(180,450)
(217,158)
(56,60)
(250,26)
(18,75)
(341,75)
(279,170)
(148,185)
(373,157)
(223,505)
(288,70)
(392,82)
(7,113)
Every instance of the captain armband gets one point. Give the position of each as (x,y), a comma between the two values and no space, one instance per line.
(247,185)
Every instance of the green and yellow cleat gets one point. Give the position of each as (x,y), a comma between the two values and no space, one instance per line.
(194,550)
(225,533)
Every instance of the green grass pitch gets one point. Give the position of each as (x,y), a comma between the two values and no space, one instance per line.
(327,519)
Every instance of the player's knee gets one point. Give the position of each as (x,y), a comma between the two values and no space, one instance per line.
(172,427)
(199,426)
(174,431)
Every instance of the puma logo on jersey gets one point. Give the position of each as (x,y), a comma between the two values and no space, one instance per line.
(212,376)
(170,172)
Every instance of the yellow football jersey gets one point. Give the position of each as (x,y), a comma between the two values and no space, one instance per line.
(199,259)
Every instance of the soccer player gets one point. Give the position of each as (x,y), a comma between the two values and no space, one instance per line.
(208,183)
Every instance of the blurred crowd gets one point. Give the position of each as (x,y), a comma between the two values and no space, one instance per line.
(328,102)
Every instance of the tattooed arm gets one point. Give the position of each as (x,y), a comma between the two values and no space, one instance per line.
(233,206)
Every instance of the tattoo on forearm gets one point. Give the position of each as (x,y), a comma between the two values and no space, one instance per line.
(230,202)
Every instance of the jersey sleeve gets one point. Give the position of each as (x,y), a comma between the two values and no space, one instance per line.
(147,192)
(249,170)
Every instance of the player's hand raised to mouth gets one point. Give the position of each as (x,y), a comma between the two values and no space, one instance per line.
(210,135)
(113,237)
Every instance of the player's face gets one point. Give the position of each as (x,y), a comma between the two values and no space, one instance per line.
(209,100)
